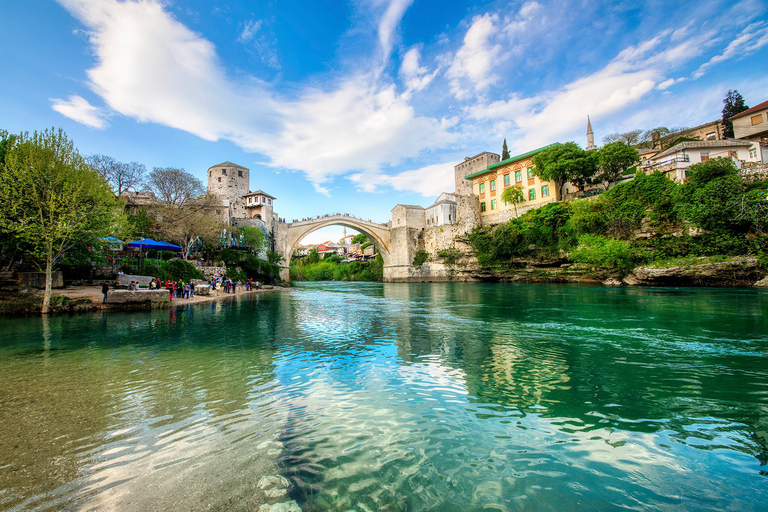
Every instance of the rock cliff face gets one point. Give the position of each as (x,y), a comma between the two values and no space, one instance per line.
(738,271)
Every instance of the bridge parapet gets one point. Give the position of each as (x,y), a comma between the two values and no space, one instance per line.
(346,216)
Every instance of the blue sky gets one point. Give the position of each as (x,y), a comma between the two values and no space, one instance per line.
(357,106)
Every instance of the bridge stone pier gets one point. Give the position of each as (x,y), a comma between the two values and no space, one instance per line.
(294,232)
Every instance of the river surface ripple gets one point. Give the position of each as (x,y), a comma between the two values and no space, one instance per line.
(402,397)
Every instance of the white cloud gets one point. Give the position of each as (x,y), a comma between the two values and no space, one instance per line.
(154,69)
(751,39)
(474,61)
(416,77)
(78,109)
(389,23)
(429,181)
(249,30)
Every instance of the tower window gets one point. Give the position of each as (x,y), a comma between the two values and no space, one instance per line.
(219,180)
(240,174)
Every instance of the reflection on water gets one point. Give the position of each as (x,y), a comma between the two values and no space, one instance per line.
(394,397)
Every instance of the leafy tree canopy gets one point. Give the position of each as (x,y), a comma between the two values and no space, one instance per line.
(614,159)
(52,200)
(565,162)
(504,151)
(513,195)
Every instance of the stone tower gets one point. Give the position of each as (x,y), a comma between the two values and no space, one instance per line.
(230,182)
(469,166)
(590,137)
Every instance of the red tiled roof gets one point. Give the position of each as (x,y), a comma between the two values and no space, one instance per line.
(751,110)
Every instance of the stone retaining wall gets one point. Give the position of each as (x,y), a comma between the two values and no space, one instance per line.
(37,279)
(125,279)
(136,297)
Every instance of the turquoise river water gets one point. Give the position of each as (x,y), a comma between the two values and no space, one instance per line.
(402,397)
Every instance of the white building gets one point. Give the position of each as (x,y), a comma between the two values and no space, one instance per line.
(676,160)
(752,125)
(443,211)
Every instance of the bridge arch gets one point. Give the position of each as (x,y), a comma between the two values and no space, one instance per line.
(377,233)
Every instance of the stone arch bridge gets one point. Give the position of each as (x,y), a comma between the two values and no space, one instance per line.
(379,234)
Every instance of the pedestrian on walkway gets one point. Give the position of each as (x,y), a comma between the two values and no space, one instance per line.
(104,290)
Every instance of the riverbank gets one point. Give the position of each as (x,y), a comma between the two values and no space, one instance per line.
(712,271)
(77,299)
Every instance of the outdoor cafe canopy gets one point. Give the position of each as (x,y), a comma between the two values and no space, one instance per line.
(148,243)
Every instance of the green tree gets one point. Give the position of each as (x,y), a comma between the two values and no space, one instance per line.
(562,163)
(275,257)
(52,199)
(504,150)
(140,224)
(254,238)
(513,195)
(420,258)
(732,104)
(711,196)
(359,238)
(313,256)
(7,141)
(614,159)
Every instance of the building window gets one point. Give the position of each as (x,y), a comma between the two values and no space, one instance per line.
(752,153)
(270,201)
(530,173)
(545,191)
(531,194)
(518,176)
(757,119)
(711,136)
(705,156)
(493,185)
(482,188)
(219,180)
(240,174)
(506,180)
(482,207)
(223,172)
(493,204)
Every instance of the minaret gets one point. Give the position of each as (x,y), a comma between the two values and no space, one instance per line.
(344,236)
(590,137)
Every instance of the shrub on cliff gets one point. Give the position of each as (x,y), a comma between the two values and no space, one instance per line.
(620,211)
(711,196)
(606,252)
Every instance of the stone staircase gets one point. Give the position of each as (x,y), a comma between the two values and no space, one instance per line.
(9,281)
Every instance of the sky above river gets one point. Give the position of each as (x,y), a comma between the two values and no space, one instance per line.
(357,106)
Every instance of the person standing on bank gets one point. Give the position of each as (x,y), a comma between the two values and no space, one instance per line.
(104,290)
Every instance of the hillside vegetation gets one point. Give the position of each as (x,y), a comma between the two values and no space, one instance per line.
(650,219)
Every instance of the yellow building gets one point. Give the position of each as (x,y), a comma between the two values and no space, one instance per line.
(489,184)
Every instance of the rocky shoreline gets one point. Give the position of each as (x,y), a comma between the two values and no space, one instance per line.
(736,272)
(83,299)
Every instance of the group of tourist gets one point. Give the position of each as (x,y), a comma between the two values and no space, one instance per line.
(180,289)
(186,290)
(230,286)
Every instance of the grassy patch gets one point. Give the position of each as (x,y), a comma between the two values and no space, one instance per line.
(689,261)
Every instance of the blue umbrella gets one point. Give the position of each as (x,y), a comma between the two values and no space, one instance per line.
(148,243)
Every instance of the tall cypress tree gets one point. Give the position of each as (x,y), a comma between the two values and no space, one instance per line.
(504,150)
(732,105)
